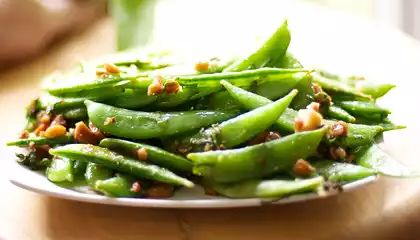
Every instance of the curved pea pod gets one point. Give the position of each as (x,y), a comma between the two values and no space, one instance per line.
(133,99)
(376,90)
(288,61)
(256,161)
(222,101)
(337,86)
(143,125)
(381,162)
(268,188)
(385,123)
(86,83)
(60,170)
(340,114)
(363,108)
(154,154)
(268,54)
(115,161)
(76,113)
(175,99)
(118,186)
(358,134)
(280,87)
(244,78)
(237,130)
(341,172)
(95,172)
(306,93)
(39,141)
(59,103)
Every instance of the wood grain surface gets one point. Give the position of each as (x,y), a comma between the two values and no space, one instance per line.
(389,209)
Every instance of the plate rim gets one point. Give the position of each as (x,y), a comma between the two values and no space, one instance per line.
(70,194)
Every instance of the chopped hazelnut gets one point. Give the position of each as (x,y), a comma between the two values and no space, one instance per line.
(308,120)
(142,154)
(111,68)
(303,168)
(55,131)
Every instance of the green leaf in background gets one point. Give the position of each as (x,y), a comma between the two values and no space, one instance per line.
(134,21)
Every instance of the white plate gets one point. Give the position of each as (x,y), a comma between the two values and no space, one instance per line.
(185,198)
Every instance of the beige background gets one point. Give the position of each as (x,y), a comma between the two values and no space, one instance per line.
(389,209)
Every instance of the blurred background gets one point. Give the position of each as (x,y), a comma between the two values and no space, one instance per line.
(29,26)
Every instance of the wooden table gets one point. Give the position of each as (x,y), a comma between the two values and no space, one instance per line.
(389,209)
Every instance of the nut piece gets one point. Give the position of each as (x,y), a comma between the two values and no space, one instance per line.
(59,120)
(210,191)
(308,120)
(160,191)
(314,106)
(317,88)
(202,66)
(45,119)
(24,134)
(41,127)
(83,134)
(171,86)
(338,128)
(337,153)
(55,131)
(110,120)
(156,87)
(303,168)
(136,187)
(142,154)
(111,68)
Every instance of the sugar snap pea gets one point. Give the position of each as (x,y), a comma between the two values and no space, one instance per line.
(118,186)
(268,188)
(141,125)
(341,172)
(95,172)
(305,95)
(336,112)
(132,99)
(288,61)
(268,54)
(363,108)
(336,86)
(60,170)
(358,134)
(232,132)
(256,161)
(39,141)
(115,161)
(79,168)
(154,154)
(375,158)
(376,90)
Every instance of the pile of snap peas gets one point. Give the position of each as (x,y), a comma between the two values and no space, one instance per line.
(256,126)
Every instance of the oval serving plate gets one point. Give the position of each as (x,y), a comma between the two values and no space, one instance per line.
(185,198)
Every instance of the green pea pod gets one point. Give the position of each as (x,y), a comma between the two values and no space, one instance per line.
(268,188)
(336,112)
(39,141)
(76,113)
(341,172)
(222,101)
(175,99)
(58,103)
(358,134)
(132,99)
(363,108)
(154,154)
(79,168)
(275,89)
(118,186)
(95,172)
(143,125)
(256,161)
(115,161)
(385,123)
(337,86)
(305,95)
(376,90)
(375,158)
(243,78)
(88,84)
(60,170)
(288,61)
(231,133)
(268,54)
